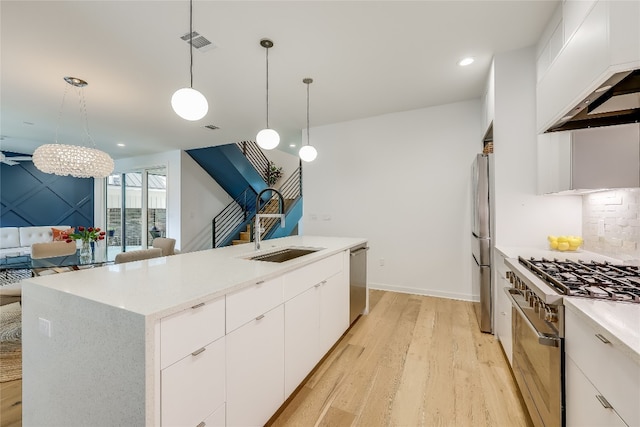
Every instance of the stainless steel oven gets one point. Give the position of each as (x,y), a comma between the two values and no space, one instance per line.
(539,287)
(537,358)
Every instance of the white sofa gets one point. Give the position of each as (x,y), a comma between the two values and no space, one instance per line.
(17,241)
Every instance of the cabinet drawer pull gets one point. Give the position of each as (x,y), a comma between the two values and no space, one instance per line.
(260,282)
(317,285)
(198,305)
(260,317)
(604,402)
(324,282)
(603,339)
(197,352)
(202,424)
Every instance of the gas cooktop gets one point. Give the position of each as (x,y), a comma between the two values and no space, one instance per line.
(589,279)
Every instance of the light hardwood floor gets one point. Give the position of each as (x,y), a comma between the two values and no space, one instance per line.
(413,361)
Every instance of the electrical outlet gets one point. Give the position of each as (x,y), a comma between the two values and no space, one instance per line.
(44,327)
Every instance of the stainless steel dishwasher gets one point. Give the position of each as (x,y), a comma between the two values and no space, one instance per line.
(358,280)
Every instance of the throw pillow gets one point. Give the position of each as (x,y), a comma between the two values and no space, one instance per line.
(57,233)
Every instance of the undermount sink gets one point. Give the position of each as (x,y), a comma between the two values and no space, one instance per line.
(284,254)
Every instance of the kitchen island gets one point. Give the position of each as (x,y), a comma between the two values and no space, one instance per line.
(209,336)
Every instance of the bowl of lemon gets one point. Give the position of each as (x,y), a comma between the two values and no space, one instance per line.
(564,243)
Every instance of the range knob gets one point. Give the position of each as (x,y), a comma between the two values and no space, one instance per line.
(550,315)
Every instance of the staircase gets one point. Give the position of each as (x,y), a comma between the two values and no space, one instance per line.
(245,236)
(242,170)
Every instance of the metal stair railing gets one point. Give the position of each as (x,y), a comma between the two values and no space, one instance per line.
(256,157)
(234,214)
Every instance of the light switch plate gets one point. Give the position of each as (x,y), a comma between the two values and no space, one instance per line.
(44,327)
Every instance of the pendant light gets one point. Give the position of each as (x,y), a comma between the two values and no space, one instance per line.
(308,153)
(74,160)
(267,138)
(187,102)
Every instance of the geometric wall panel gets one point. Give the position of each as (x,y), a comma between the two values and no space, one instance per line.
(29,197)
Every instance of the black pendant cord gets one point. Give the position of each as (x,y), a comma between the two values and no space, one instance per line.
(191,42)
(267,62)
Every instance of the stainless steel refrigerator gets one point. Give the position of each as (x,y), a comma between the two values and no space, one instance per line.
(481,246)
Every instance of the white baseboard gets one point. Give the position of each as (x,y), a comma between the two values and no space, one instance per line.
(425,292)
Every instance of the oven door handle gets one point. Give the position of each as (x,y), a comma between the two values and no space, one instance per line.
(543,339)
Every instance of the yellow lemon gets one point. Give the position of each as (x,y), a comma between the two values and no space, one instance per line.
(553,244)
(563,239)
(575,241)
(563,246)
(551,238)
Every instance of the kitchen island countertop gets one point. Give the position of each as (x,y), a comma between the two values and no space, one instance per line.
(162,286)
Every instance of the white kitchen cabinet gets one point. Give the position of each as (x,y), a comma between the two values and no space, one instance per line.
(217,419)
(301,337)
(316,318)
(255,369)
(614,375)
(182,333)
(584,409)
(599,40)
(192,388)
(246,304)
(588,159)
(334,310)
(502,307)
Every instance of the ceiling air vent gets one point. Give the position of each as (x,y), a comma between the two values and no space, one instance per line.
(211,127)
(199,42)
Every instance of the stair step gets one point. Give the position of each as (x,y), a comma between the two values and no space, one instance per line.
(245,235)
(240,242)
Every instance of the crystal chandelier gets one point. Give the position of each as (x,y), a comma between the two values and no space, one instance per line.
(74,160)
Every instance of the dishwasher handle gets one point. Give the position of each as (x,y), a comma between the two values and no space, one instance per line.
(359,251)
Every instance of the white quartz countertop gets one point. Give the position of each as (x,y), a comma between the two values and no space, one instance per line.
(543,252)
(620,321)
(163,286)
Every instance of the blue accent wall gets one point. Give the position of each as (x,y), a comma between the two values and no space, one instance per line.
(29,197)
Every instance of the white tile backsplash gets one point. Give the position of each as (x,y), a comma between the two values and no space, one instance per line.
(611,223)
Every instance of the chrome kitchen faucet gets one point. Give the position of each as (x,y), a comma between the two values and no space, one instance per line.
(257,229)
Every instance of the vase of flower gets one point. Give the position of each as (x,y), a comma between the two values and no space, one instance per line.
(86,253)
(87,235)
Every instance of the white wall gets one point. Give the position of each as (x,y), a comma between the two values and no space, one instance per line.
(522,217)
(202,200)
(403,182)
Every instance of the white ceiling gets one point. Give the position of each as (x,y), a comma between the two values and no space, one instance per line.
(366,58)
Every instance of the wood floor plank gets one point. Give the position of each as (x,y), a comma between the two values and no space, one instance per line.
(11,403)
(413,361)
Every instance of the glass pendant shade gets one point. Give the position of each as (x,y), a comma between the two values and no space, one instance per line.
(308,153)
(268,139)
(77,161)
(189,104)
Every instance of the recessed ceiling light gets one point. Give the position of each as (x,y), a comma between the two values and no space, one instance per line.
(120,144)
(466,61)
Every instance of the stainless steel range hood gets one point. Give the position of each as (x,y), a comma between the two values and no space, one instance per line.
(615,102)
